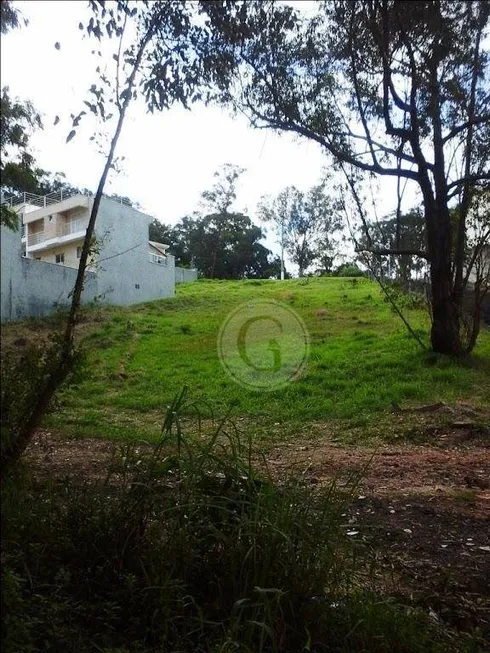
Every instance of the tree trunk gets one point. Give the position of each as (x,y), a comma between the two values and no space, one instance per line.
(445,332)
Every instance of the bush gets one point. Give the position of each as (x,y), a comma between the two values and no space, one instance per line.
(348,270)
(405,300)
(185,548)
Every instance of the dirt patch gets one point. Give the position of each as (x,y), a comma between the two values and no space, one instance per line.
(424,511)
(428,472)
(59,457)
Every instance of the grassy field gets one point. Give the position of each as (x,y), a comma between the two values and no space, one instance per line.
(284,542)
(362,359)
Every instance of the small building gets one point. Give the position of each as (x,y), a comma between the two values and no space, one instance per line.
(39,265)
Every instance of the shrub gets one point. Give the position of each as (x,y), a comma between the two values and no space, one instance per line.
(184,547)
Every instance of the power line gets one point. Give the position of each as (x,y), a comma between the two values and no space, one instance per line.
(107,258)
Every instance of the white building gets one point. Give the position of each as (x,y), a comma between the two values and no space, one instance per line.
(39,265)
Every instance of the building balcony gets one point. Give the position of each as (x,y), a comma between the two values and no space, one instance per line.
(69,232)
(36,238)
(74,227)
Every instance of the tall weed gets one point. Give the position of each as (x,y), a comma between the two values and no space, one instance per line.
(186,547)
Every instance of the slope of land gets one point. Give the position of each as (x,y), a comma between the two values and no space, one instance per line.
(413,426)
(362,361)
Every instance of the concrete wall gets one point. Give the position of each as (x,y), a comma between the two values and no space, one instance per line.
(185,274)
(125,273)
(31,288)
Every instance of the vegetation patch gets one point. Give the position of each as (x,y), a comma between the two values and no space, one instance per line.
(362,360)
(183,546)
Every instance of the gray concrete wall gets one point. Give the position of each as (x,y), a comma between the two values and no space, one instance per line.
(185,274)
(125,273)
(31,288)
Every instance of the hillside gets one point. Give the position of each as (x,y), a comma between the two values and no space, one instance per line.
(377,442)
(361,361)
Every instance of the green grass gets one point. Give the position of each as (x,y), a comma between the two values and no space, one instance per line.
(361,360)
(185,547)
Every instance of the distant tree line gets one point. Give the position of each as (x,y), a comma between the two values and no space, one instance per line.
(221,242)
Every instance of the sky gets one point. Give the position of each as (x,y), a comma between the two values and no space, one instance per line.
(170,157)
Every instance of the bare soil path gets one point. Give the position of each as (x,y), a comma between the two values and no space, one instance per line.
(424,510)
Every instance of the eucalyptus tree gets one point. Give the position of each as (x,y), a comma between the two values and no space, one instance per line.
(303,223)
(160,53)
(218,201)
(392,88)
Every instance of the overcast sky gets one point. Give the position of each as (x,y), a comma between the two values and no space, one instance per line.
(171,156)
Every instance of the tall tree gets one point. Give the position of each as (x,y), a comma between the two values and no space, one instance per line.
(303,222)
(226,246)
(219,245)
(389,87)
(221,196)
(218,201)
(162,53)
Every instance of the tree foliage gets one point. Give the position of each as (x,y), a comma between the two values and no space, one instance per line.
(220,197)
(390,88)
(10,17)
(17,169)
(220,246)
(304,222)
(224,243)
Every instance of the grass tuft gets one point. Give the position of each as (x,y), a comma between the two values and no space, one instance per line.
(186,547)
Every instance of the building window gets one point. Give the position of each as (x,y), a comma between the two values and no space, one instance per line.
(50,218)
(60,258)
(79,252)
(156,258)
(137,286)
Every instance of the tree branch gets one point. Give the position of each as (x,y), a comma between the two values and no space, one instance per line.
(470,123)
(385,251)
(289,124)
(467,179)
(388,86)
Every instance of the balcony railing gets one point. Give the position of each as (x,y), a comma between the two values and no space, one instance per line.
(35,238)
(73,227)
(52,198)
